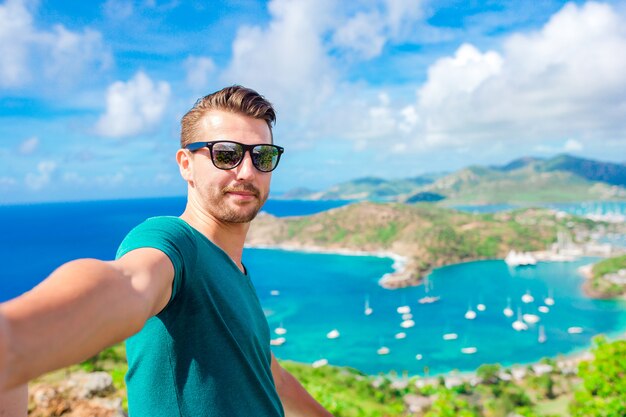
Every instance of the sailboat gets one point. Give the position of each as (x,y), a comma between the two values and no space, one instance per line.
(333,334)
(543,309)
(470,314)
(542,335)
(428,299)
(518,324)
(368,310)
(527,298)
(508,311)
(280,330)
(549,300)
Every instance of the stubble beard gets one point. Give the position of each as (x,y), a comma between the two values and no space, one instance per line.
(235,213)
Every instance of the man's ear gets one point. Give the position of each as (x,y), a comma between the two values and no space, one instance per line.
(184,159)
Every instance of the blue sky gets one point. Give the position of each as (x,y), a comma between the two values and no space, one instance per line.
(91,93)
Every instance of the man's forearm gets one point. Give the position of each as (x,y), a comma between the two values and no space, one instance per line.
(297,402)
(69,317)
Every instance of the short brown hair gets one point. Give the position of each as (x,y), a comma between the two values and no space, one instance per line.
(235,99)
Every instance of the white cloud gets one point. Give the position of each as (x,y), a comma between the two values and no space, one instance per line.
(572,146)
(28,146)
(363,33)
(133,107)
(287,60)
(30,54)
(6,182)
(566,79)
(37,180)
(199,70)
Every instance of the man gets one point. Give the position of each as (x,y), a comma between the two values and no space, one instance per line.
(198,342)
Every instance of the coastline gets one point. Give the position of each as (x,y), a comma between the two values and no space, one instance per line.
(400,264)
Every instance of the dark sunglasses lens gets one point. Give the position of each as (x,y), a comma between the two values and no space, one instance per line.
(227,155)
(265,157)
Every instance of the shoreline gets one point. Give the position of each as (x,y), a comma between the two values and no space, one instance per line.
(400,264)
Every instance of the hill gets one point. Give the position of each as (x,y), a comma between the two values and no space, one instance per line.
(523,181)
(427,236)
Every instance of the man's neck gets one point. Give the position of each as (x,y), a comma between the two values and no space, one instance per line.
(230,237)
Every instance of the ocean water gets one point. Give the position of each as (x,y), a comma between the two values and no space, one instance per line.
(322,292)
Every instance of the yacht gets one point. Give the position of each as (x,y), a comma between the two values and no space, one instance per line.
(481,307)
(543,309)
(518,324)
(527,298)
(549,300)
(333,334)
(401,335)
(542,335)
(514,259)
(403,310)
(470,314)
(280,330)
(470,350)
(368,310)
(384,350)
(279,341)
(450,336)
(575,330)
(530,318)
(508,311)
(406,324)
(319,363)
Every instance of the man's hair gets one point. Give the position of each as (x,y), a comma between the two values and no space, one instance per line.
(234,99)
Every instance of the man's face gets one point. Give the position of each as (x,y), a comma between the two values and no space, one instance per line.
(235,195)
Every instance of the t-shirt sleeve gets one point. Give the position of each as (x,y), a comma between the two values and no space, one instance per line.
(171,236)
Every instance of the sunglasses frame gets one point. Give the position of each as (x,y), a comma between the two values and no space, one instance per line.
(246,148)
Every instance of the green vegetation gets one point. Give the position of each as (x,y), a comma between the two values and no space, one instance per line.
(598,389)
(428,236)
(603,392)
(525,181)
(601,283)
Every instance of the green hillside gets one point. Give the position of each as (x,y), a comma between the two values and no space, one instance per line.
(428,236)
(523,181)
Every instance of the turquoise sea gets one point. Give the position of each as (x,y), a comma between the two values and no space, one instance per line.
(318,293)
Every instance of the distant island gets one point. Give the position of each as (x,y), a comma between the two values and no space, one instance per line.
(524,181)
(423,236)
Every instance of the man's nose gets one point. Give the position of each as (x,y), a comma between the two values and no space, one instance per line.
(246,169)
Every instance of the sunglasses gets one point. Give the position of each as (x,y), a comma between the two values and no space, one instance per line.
(226,154)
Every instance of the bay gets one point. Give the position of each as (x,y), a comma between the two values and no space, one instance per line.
(322,292)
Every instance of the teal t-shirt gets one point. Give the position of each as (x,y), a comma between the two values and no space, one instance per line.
(208,352)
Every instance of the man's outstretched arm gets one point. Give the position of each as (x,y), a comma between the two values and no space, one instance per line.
(297,402)
(81,308)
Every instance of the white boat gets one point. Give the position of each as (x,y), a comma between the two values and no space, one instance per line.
(428,299)
(275,293)
(400,335)
(279,341)
(549,300)
(514,258)
(543,309)
(333,334)
(383,350)
(530,318)
(407,316)
(518,324)
(280,330)
(450,336)
(368,310)
(481,307)
(575,330)
(418,357)
(470,350)
(406,324)
(527,298)
(470,314)
(508,311)
(403,310)
(542,335)
(319,363)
